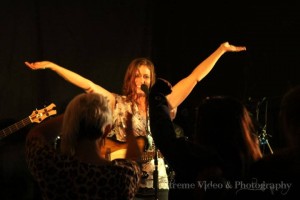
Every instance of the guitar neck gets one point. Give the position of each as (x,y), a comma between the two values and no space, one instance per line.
(15,127)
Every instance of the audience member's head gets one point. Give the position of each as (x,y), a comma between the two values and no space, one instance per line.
(290,116)
(224,124)
(87,117)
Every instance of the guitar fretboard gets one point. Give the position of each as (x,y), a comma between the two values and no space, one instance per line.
(15,127)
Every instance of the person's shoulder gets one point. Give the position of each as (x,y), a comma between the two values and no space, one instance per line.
(282,156)
(282,166)
(126,163)
(127,166)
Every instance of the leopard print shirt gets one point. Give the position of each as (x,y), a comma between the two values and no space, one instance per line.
(64,177)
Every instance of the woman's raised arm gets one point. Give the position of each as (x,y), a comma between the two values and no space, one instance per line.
(72,77)
(184,87)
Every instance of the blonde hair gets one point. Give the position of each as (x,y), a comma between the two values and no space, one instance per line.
(86,117)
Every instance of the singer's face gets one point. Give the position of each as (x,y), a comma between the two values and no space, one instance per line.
(142,76)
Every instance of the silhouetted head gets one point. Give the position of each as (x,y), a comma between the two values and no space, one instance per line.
(87,116)
(225,125)
(290,115)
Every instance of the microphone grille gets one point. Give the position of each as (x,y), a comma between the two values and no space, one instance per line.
(145,89)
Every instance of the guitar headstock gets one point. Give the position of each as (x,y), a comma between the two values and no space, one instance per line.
(38,116)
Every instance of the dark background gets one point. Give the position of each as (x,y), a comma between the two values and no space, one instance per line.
(98,39)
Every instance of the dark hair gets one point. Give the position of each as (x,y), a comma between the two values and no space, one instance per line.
(290,115)
(225,125)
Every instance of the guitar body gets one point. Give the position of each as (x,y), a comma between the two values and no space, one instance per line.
(113,149)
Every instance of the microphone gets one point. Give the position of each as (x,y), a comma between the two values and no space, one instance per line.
(145,89)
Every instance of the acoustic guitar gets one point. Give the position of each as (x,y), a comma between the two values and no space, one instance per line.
(113,149)
(37,116)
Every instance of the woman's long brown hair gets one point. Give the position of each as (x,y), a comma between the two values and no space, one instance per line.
(129,87)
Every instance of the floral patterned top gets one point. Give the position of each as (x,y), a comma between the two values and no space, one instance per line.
(139,124)
(122,108)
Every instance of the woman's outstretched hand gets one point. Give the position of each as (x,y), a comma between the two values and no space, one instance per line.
(228,47)
(39,65)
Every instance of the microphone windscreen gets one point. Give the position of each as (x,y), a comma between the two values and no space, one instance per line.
(145,89)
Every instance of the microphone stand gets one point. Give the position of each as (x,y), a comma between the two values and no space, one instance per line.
(155,157)
(155,172)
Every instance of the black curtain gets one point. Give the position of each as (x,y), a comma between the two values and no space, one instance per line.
(98,39)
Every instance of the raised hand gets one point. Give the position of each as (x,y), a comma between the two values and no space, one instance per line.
(39,65)
(228,47)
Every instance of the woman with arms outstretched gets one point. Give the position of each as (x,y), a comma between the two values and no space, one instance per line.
(140,72)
